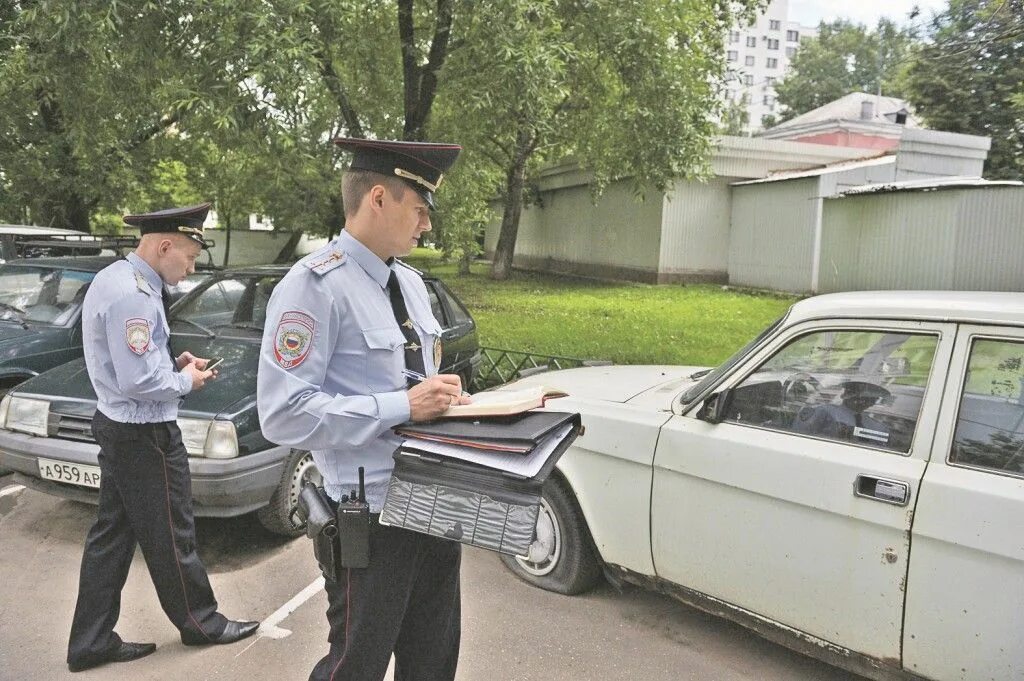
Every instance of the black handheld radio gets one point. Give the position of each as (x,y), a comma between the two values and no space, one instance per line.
(354,527)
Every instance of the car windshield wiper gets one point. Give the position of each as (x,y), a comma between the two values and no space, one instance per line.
(206,331)
(700,374)
(8,306)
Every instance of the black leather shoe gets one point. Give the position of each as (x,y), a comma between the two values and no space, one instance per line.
(126,652)
(234,631)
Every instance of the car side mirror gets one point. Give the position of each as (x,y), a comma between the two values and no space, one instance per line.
(716,406)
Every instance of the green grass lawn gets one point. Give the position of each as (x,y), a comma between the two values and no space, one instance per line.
(622,322)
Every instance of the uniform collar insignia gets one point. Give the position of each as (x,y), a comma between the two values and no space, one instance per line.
(140,281)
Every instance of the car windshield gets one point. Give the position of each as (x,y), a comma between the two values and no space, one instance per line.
(228,304)
(712,377)
(41,295)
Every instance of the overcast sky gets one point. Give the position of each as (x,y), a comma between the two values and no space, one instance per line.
(810,12)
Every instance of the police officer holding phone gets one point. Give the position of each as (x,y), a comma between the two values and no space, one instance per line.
(145,488)
(342,328)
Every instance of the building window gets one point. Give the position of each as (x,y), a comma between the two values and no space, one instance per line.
(749,60)
(732,55)
(751,41)
(748,79)
(790,51)
(772,63)
(793,36)
(770,80)
(734,36)
(773,24)
(773,44)
(769,100)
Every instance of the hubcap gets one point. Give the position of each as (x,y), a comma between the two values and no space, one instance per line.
(305,470)
(546,549)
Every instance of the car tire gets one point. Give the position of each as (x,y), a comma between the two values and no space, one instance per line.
(276,516)
(561,558)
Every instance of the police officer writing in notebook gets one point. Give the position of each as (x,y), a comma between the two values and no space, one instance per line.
(341,328)
(145,488)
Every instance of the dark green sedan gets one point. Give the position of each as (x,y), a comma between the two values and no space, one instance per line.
(45,422)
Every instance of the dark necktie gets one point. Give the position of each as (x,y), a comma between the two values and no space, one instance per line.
(165,297)
(413,344)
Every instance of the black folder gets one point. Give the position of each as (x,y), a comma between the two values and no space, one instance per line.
(473,503)
(520,432)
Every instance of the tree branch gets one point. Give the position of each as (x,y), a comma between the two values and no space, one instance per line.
(325,65)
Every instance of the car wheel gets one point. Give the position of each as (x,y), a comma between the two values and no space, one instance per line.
(276,516)
(560,558)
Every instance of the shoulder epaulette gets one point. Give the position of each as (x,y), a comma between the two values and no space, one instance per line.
(322,263)
(408,266)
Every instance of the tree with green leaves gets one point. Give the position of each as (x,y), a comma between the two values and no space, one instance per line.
(624,88)
(969,78)
(845,57)
(88,89)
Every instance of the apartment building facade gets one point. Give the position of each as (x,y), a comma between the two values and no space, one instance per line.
(759,55)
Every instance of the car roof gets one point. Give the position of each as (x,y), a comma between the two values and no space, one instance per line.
(87,263)
(954,306)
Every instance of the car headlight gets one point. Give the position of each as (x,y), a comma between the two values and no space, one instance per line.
(26,415)
(210,439)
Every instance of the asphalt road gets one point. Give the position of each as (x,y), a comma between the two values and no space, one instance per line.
(511,631)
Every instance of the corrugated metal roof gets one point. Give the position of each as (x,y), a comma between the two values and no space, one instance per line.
(839,167)
(927,185)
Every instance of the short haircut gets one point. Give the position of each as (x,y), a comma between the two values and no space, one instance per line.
(355,184)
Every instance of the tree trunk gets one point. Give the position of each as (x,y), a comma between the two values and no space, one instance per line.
(287,252)
(227,238)
(57,206)
(464,261)
(515,180)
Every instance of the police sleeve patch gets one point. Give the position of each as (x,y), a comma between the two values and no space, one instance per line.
(293,339)
(137,333)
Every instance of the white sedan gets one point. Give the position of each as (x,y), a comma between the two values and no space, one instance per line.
(849,484)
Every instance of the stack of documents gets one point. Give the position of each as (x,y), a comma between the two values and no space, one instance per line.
(477,481)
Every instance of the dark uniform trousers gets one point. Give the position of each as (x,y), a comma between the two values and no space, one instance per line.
(406,601)
(145,498)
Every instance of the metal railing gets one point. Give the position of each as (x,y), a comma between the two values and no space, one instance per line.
(501,366)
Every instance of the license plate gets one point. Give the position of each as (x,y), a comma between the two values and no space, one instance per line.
(71,473)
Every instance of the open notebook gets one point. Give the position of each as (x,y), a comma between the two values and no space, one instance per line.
(504,402)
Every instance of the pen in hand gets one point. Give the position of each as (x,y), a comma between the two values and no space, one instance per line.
(417,376)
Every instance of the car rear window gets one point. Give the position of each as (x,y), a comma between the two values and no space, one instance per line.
(990,421)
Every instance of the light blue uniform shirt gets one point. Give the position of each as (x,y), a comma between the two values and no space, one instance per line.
(330,375)
(124,336)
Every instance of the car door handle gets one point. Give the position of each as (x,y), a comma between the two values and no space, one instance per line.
(882,489)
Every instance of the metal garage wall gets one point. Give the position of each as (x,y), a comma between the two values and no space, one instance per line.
(950,239)
(619,237)
(695,231)
(990,239)
(772,234)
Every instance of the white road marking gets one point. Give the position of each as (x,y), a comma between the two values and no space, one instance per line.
(268,627)
(13,489)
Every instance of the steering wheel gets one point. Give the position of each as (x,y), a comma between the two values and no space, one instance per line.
(800,387)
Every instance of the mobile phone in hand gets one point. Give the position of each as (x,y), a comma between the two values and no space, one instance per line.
(213,363)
